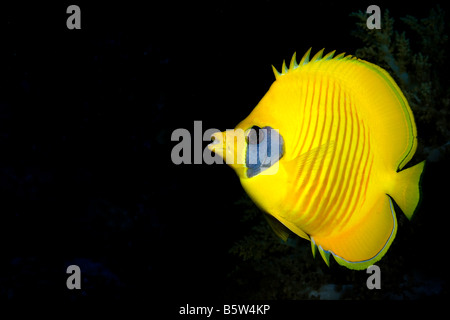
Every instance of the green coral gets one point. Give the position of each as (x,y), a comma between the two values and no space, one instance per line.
(417,68)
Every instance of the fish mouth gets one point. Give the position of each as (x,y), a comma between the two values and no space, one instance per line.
(220,145)
(214,140)
(217,144)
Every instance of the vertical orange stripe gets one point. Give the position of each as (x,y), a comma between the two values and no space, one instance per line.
(338,143)
(341,137)
(367,157)
(319,196)
(338,179)
(309,90)
(351,195)
(346,168)
(304,127)
(329,186)
(311,84)
(358,184)
(307,193)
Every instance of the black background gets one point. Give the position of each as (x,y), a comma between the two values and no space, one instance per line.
(86,118)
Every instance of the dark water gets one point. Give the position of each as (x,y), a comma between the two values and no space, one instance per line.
(86,176)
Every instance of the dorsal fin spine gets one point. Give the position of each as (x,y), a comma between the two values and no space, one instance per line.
(306,59)
(275,72)
(329,55)
(284,69)
(317,56)
(339,56)
(293,65)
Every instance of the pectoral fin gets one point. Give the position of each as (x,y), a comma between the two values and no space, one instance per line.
(280,230)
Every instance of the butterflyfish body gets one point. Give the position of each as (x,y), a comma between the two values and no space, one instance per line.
(322,153)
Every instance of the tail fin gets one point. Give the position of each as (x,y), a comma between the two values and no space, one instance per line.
(406,191)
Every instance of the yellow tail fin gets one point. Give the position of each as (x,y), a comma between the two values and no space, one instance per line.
(406,189)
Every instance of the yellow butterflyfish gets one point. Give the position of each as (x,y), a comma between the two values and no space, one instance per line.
(322,153)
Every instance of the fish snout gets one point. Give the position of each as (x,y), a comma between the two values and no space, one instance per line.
(217,144)
(216,138)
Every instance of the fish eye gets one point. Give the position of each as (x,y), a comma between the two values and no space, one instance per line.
(255,135)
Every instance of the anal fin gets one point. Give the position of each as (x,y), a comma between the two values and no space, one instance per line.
(313,247)
(362,244)
(325,255)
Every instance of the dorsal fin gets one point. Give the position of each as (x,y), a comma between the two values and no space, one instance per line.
(339,56)
(317,56)
(306,59)
(293,65)
(329,55)
(284,69)
(275,72)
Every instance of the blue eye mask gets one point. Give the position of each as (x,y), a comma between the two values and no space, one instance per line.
(264,149)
